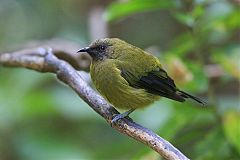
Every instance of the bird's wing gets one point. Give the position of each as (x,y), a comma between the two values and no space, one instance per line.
(159,83)
(155,82)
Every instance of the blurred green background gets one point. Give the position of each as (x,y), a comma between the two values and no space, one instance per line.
(197,41)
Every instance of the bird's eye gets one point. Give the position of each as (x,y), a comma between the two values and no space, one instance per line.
(102,48)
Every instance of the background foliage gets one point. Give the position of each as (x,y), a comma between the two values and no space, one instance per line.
(197,41)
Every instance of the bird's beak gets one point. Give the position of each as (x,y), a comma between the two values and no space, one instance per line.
(86,49)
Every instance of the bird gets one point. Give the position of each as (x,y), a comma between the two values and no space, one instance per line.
(129,77)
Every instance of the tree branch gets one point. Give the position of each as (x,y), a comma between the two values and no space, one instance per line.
(46,60)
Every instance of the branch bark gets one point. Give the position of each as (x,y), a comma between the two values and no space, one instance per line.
(46,60)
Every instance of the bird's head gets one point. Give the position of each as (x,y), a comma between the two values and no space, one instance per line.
(107,48)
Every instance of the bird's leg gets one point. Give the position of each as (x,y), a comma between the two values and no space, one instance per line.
(122,115)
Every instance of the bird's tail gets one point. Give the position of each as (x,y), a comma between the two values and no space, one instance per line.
(186,95)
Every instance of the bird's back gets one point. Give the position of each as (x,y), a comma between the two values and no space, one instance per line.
(136,60)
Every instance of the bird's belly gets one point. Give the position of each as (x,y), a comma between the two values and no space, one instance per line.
(118,92)
(131,99)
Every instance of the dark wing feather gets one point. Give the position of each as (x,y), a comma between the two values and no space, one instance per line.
(159,83)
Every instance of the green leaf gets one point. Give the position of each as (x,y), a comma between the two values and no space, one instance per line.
(231,126)
(213,145)
(182,45)
(183,115)
(228,58)
(185,19)
(228,22)
(119,10)
(200,81)
(197,11)
(189,18)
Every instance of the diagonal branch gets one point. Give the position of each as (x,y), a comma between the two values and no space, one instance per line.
(45,60)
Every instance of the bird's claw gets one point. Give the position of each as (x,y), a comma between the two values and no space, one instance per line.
(121,116)
(117,117)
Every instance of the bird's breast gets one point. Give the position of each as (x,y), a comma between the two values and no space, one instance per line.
(114,88)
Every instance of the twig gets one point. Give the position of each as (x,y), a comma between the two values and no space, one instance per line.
(44,60)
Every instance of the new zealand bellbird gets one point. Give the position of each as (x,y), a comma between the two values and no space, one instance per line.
(128,77)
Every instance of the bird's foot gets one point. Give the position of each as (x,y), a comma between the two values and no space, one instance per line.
(121,116)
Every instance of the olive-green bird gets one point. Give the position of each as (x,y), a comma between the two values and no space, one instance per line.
(128,77)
